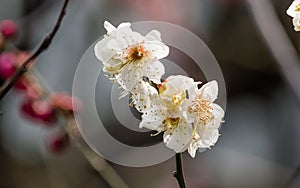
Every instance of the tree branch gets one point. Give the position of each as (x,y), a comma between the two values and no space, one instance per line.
(178,174)
(8,84)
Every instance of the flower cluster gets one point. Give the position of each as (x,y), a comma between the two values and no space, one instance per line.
(185,114)
(38,103)
(294,12)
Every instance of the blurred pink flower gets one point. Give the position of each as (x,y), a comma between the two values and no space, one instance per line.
(58,142)
(39,110)
(7,64)
(8,28)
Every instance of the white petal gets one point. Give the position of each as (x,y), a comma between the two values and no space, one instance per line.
(116,45)
(154,71)
(153,117)
(179,139)
(209,138)
(129,76)
(218,114)
(143,95)
(101,51)
(121,30)
(113,66)
(180,82)
(209,91)
(131,37)
(157,49)
(192,150)
(124,24)
(189,117)
(109,27)
(154,35)
(209,133)
(193,146)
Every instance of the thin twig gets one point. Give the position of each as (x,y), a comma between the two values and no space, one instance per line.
(8,84)
(278,41)
(178,174)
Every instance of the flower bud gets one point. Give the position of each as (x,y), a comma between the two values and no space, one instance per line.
(7,67)
(65,102)
(8,28)
(58,142)
(39,110)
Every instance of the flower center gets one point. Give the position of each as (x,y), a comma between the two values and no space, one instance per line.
(297,8)
(176,99)
(170,123)
(202,110)
(136,53)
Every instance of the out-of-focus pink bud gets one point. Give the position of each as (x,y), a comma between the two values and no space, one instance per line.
(20,85)
(39,110)
(7,64)
(29,83)
(8,28)
(65,102)
(58,143)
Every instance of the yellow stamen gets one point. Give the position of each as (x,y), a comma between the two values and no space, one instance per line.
(297,8)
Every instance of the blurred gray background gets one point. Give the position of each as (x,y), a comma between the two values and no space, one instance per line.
(259,145)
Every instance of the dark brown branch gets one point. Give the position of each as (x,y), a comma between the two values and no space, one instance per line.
(178,174)
(8,84)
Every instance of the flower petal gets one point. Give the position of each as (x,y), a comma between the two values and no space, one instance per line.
(101,51)
(180,82)
(154,35)
(189,117)
(153,117)
(154,71)
(142,96)
(157,49)
(193,146)
(218,114)
(180,138)
(109,27)
(129,76)
(208,138)
(209,91)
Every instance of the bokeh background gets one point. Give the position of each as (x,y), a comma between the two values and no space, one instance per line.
(259,146)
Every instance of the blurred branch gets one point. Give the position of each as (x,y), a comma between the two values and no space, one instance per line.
(278,41)
(8,84)
(110,176)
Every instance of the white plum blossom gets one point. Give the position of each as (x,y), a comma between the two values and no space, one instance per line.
(294,12)
(185,114)
(128,56)
(205,116)
(294,8)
